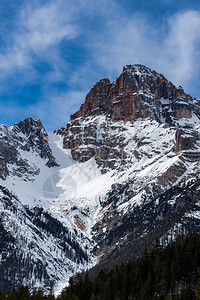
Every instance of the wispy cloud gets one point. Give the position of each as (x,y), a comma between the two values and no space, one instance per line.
(45,26)
(126,41)
(38,34)
(66,46)
(181,47)
(172,49)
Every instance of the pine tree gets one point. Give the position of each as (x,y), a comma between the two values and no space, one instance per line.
(197,288)
(2,296)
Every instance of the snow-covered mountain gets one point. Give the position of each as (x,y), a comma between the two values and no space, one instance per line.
(124,172)
(37,248)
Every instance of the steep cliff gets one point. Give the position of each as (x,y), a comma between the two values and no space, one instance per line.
(138,94)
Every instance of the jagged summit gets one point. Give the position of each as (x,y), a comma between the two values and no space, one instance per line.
(138,92)
(16,141)
(141,70)
(37,138)
(28,125)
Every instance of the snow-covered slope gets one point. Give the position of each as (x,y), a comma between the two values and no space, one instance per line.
(144,135)
(40,246)
(124,172)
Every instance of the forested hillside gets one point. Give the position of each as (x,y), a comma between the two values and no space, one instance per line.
(169,273)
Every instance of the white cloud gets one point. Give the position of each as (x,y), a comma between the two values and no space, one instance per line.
(120,40)
(127,41)
(174,52)
(16,58)
(46,26)
(180,52)
(39,32)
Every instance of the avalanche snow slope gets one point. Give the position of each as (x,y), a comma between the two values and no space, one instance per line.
(43,241)
(50,226)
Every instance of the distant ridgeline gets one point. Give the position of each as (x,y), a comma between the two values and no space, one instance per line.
(169,273)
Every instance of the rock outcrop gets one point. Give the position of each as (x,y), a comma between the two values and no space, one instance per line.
(3,168)
(185,140)
(37,139)
(25,136)
(137,94)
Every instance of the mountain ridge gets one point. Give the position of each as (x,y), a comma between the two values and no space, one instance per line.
(123,172)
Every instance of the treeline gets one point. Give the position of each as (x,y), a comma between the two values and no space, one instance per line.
(164,274)
(169,273)
(23,293)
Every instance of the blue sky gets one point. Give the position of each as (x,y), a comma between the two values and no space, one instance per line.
(53,52)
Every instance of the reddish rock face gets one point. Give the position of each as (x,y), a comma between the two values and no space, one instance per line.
(132,96)
(96,100)
(138,93)
(184,141)
(171,175)
(182,111)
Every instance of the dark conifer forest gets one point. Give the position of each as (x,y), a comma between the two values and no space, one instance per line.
(169,273)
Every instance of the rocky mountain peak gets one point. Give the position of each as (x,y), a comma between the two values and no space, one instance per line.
(37,138)
(29,126)
(15,141)
(137,93)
